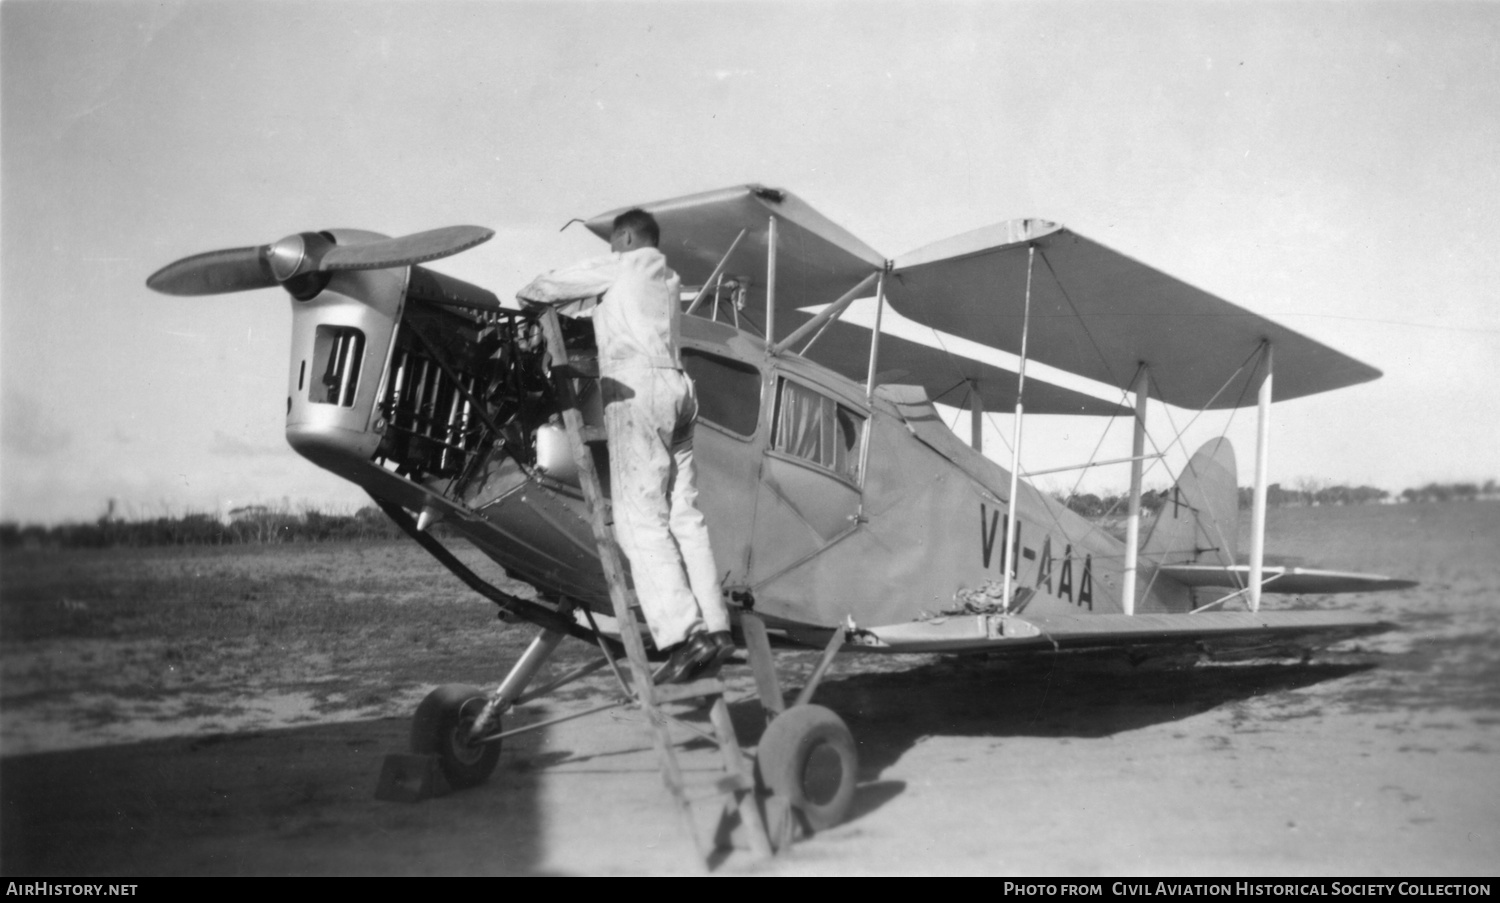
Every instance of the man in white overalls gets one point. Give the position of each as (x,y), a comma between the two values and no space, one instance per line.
(650,406)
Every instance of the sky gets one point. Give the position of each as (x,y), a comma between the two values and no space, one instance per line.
(1331,166)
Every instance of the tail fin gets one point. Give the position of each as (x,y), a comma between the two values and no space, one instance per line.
(1199,522)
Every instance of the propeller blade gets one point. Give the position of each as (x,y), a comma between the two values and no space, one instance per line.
(297,257)
(215,272)
(404,251)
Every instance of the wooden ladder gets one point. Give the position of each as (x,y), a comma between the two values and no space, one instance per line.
(737,788)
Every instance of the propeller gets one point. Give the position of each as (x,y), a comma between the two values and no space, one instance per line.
(303,262)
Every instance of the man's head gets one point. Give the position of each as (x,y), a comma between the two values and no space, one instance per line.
(634,229)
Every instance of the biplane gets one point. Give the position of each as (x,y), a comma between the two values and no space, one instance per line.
(844,513)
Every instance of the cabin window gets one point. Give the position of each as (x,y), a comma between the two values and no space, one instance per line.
(815,428)
(337,354)
(728,391)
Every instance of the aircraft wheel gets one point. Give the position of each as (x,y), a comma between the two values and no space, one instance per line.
(441,727)
(807,756)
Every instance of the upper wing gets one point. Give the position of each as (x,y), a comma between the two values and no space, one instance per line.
(817,261)
(1098,313)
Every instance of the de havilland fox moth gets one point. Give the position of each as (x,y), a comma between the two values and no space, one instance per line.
(843,512)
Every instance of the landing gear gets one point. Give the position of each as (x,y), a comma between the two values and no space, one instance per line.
(802,779)
(460,725)
(807,757)
(442,727)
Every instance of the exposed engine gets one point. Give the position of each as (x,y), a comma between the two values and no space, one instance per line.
(465,384)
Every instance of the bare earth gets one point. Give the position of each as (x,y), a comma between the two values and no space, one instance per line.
(216,712)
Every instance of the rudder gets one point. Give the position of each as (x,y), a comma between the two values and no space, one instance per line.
(1199,521)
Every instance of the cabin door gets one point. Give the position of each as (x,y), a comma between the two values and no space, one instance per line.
(809,493)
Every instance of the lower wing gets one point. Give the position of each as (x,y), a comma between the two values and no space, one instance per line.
(1204,631)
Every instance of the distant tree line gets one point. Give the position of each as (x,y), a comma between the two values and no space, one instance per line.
(1093,506)
(1278,496)
(1448,492)
(1306,492)
(1312,492)
(256,525)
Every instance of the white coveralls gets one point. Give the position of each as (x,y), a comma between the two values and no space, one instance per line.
(650,406)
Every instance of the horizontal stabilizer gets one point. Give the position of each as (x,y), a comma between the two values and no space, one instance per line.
(1214,631)
(1282,579)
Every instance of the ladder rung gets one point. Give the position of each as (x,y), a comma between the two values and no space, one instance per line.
(711,686)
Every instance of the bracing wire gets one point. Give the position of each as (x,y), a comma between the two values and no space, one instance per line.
(963,380)
(1051,512)
(1081,321)
(1098,445)
(1178,434)
(1161,452)
(1258,356)
(959,412)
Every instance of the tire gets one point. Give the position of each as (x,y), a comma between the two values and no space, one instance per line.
(807,756)
(441,728)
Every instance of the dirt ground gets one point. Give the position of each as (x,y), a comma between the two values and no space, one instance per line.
(136,746)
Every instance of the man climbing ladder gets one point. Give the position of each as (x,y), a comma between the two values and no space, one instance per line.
(634,299)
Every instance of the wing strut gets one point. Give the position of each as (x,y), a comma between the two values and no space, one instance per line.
(771,285)
(828,315)
(864,451)
(874,348)
(1015,450)
(712,277)
(1258,512)
(1142,389)
(976,417)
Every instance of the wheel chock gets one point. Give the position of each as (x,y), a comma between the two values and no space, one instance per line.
(783,828)
(411,778)
(782,825)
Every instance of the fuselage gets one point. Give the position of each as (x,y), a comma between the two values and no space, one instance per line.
(826,503)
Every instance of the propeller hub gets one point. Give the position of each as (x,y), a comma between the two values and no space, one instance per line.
(296,254)
(286,257)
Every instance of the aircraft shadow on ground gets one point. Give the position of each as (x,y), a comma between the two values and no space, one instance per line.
(292,801)
(888,712)
(301,800)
